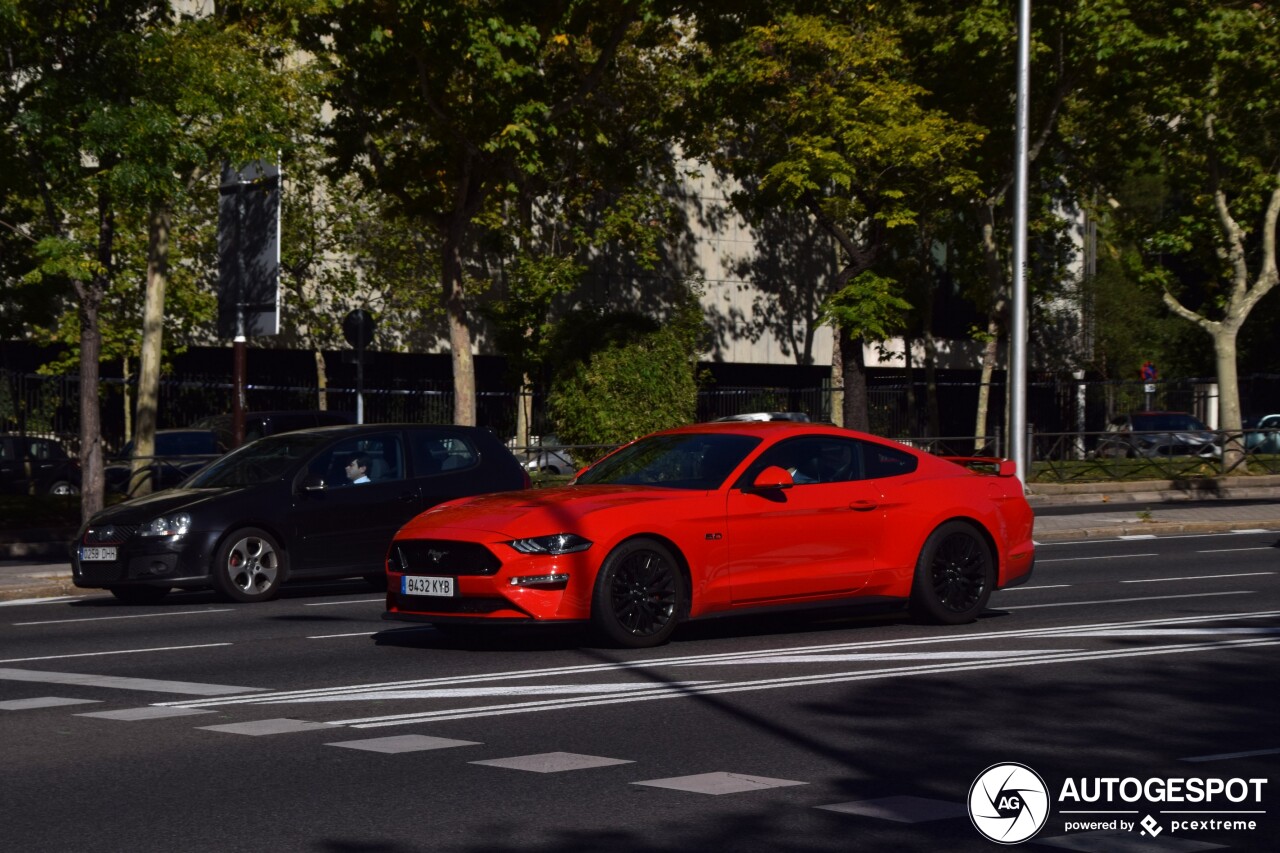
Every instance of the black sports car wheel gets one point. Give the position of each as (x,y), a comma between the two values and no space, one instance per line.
(638,595)
(955,575)
(250,566)
(140,594)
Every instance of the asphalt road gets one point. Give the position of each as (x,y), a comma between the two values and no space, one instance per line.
(310,724)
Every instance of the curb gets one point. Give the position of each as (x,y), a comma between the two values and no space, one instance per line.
(42,586)
(1157,528)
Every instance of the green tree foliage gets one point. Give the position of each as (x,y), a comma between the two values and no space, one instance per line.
(623,375)
(818,114)
(1195,98)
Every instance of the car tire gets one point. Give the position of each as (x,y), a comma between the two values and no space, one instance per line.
(62,487)
(250,566)
(639,595)
(954,577)
(139,594)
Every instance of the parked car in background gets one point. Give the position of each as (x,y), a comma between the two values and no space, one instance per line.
(261,424)
(544,454)
(35,465)
(719,518)
(1153,434)
(287,507)
(179,453)
(798,417)
(1262,434)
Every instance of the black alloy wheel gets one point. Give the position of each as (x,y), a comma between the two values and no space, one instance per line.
(955,575)
(639,594)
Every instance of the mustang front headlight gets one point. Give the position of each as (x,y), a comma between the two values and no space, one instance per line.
(167,525)
(556,543)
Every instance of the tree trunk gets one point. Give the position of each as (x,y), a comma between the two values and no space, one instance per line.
(322,383)
(837,379)
(854,368)
(1229,420)
(455,306)
(142,467)
(90,294)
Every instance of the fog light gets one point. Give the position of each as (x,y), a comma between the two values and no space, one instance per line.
(537,580)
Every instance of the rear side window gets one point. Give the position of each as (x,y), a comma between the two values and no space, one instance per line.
(886,461)
(438,453)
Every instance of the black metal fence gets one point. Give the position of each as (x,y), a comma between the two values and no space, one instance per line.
(1064,408)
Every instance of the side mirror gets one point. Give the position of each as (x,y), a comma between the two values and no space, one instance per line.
(311,483)
(772,477)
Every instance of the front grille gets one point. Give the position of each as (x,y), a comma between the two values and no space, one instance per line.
(109,534)
(442,556)
(100,573)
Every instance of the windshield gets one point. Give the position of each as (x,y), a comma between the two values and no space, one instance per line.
(258,462)
(684,461)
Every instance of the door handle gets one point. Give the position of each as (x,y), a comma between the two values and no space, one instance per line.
(863,506)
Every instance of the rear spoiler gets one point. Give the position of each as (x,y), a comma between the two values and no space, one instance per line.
(985,464)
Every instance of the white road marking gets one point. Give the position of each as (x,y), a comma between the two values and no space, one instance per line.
(118,652)
(1175,632)
(1229,755)
(1234,550)
(1199,577)
(1135,536)
(131,616)
(334,636)
(856,657)
(652,663)
(121,683)
(1128,600)
(382,600)
(663,692)
(1046,586)
(471,692)
(1104,557)
(1104,541)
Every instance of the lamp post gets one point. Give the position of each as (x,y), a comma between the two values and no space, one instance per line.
(1018,326)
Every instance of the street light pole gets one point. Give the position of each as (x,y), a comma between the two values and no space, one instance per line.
(1018,326)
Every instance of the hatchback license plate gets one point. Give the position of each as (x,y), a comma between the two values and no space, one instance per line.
(417,585)
(94,554)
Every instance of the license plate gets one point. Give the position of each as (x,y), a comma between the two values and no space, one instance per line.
(417,585)
(93,554)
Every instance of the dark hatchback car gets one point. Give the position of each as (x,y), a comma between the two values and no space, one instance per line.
(288,507)
(32,465)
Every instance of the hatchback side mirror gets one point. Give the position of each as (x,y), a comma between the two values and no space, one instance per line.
(311,483)
(772,477)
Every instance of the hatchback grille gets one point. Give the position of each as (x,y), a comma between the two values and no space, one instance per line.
(445,556)
(109,534)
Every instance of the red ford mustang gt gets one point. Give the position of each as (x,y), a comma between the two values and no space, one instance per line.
(720,518)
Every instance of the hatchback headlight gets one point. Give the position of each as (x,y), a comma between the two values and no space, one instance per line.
(556,543)
(167,525)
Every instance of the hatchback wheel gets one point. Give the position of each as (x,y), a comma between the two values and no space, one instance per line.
(639,595)
(250,566)
(954,576)
(62,487)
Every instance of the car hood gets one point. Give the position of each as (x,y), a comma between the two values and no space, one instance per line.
(147,507)
(516,513)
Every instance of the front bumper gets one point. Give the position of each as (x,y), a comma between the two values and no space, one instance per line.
(516,590)
(174,561)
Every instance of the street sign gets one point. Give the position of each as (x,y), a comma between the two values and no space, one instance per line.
(357,328)
(249,250)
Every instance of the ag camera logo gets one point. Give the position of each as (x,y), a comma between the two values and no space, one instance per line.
(1008,803)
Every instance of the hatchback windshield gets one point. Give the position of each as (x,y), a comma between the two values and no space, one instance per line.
(685,461)
(262,460)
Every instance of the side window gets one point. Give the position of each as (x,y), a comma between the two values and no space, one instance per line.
(883,461)
(813,459)
(5,451)
(375,458)
(436,453)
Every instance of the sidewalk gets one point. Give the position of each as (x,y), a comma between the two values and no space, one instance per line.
(39,569)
